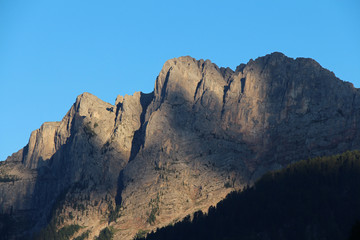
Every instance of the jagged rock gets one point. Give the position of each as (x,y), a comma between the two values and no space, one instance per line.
(203,132)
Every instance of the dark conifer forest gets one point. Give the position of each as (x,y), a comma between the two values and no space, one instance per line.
(310,199)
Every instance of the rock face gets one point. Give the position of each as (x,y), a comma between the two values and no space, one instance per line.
(151,159)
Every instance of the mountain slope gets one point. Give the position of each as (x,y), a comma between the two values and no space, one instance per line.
(313,199)
(151,159)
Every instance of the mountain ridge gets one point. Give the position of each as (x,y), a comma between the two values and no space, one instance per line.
(153,158)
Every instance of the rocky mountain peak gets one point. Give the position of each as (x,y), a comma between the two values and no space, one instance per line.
(183,79)
(87,104)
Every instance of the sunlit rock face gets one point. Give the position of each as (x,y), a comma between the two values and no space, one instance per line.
(203,132)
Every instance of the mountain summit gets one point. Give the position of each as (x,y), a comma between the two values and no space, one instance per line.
(151,159)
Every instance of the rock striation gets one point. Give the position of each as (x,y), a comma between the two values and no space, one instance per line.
(151,159)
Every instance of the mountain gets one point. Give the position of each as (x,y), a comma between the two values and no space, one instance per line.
(310,199)
(151,159)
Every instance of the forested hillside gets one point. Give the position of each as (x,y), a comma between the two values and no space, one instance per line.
(310,199)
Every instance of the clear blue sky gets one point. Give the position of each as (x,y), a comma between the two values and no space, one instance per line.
(52,51)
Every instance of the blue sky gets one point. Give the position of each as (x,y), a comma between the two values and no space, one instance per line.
(52,51)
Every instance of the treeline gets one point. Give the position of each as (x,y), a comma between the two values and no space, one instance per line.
(311,199)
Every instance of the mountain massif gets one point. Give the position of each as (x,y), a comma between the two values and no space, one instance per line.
(151,159)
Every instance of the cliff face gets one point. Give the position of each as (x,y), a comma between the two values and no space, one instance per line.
(151,159)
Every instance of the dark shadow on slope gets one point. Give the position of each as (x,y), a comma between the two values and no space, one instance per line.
(45,191)
(56,177)
(139,135)
(137,142)
(163,90)
(243,80)
(120,187)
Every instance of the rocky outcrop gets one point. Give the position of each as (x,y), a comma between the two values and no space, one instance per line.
(151,159)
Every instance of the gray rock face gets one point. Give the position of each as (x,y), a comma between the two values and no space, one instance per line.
(203,132)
